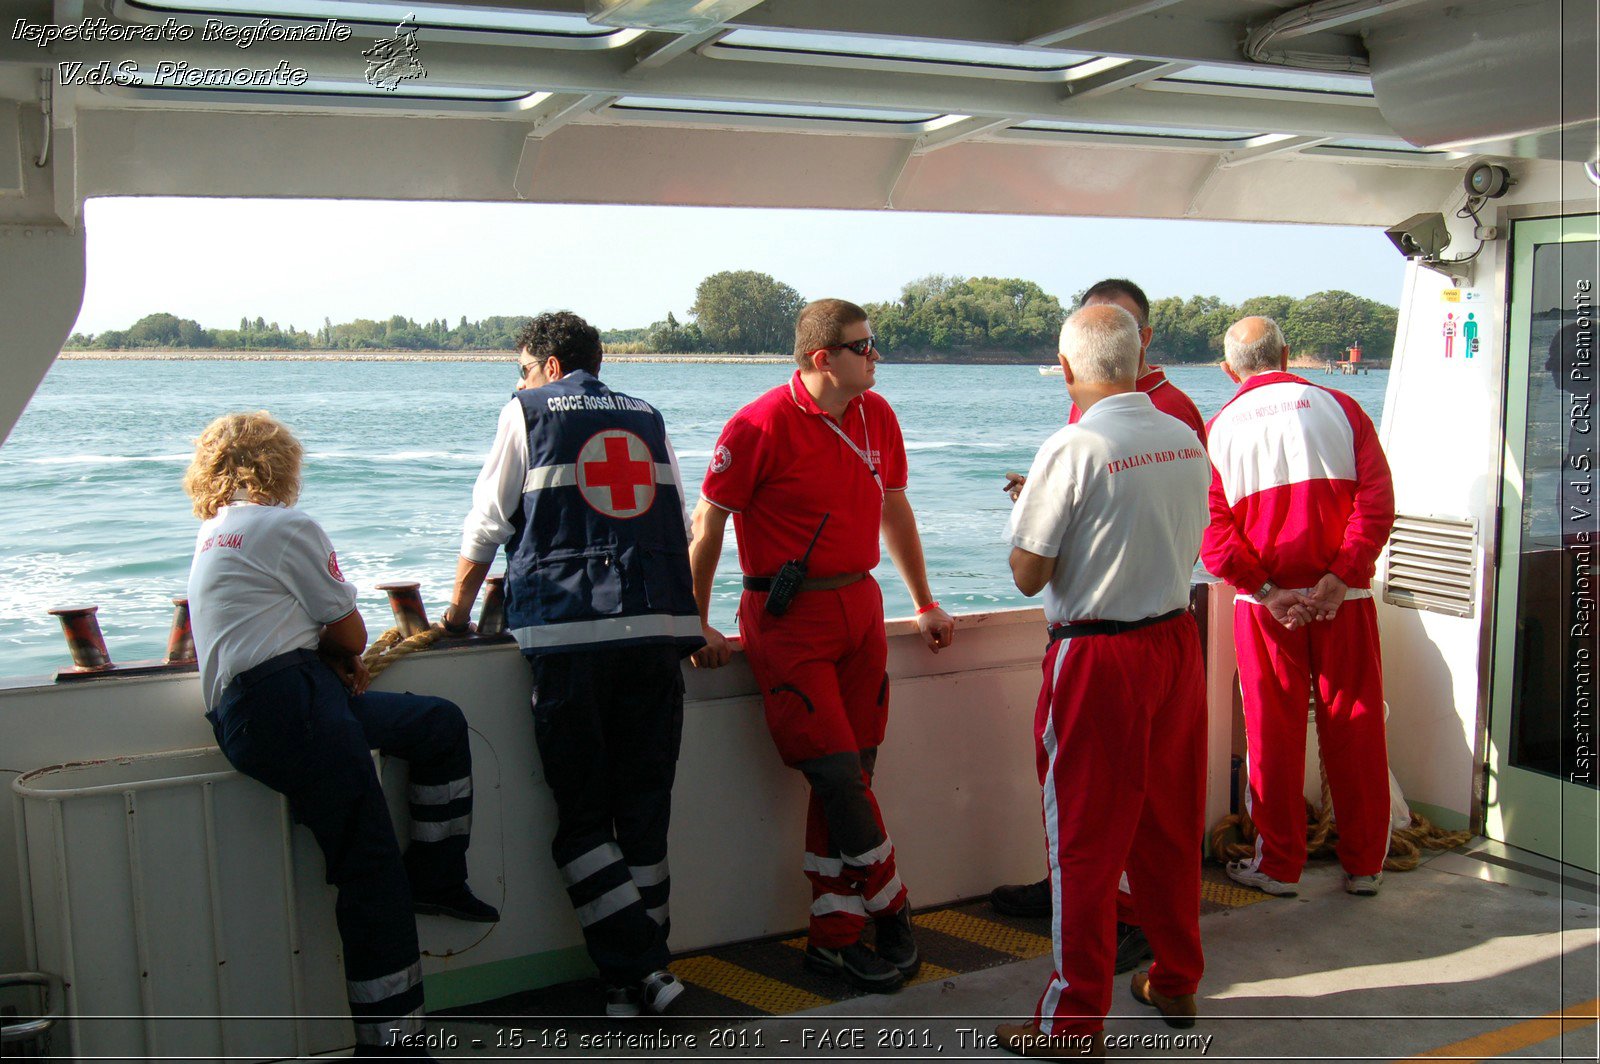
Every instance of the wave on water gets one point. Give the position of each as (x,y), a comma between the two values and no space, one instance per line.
(459,457)
(99,459)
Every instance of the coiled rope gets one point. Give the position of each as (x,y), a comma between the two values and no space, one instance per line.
(393,645)
(1233,838)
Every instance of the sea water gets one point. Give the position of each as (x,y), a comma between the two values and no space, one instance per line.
(92,511)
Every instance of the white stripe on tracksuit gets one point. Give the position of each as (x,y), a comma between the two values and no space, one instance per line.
(385,1032)
(1052,833)
(587,864)
(436,830)
(369,991)
(877,855)
(648,875)
(441,793)
(823,866)
(838,903)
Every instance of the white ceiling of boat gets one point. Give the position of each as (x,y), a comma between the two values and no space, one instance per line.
(1093,107)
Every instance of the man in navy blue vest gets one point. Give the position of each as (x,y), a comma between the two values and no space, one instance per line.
(583,489)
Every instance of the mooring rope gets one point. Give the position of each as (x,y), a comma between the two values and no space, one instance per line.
(1233,838)
(392,645)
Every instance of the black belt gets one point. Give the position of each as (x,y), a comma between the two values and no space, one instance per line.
(813,583)
(1066,631)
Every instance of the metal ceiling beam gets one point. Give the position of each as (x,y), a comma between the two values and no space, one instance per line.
(1131,73)
(659,49)
(956,132)
(1062,21)
(561,108)
(1243,156)
(1177,39)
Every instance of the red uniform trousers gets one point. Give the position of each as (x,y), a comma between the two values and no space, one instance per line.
(1276,667)
(821,667)
(1121,744)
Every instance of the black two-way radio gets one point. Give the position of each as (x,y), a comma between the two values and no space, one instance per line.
(791,574)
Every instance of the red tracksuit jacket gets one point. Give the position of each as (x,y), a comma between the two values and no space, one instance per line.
(1299,487)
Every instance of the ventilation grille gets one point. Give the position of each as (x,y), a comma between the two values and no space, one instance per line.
(1431,563)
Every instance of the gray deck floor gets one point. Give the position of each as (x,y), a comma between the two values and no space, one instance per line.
(1464,955)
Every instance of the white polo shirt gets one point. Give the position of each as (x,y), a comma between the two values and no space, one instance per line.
(264,581)
(1120,501)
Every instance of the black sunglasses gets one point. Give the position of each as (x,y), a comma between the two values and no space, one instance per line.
(860,347)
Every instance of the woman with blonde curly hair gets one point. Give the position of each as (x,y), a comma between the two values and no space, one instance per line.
(279,640)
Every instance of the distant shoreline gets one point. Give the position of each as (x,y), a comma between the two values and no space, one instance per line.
(213,355)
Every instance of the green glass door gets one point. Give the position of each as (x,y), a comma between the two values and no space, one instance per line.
(1542,792)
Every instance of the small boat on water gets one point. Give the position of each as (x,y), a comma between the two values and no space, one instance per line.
(1050,371)
(174,910)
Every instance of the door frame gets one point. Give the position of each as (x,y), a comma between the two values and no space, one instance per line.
(1522,807)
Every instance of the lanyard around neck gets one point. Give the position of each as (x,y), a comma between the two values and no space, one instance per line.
(865,432)
(865,460)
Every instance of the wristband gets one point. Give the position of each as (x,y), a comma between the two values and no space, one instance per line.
(930,606)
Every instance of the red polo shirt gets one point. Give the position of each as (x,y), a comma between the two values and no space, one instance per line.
(779,465)
(1167,397)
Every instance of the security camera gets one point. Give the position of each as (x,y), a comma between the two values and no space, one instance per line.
(1423,236)
(1486,181)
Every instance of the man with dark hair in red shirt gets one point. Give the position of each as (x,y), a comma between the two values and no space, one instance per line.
(821,458)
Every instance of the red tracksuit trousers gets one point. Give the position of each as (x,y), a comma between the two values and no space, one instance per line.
(821,667)
(1121,744)
(1276,669)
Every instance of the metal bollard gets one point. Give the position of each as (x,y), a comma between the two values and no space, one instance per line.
(180,641)
(82,630)
(492,618)
(405,599)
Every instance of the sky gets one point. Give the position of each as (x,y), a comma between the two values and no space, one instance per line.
(297,262)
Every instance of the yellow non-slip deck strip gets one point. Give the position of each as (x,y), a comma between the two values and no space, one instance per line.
(744,986)
(1518,1035)
(1230,895)
(986,933)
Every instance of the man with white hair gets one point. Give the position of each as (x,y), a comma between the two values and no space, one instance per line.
(1301,505)
(1108,527)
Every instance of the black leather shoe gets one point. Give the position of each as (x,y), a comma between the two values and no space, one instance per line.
(458,902)
(1022,899)
(856,965)
(895,943)
(622,1002)
(1132,947)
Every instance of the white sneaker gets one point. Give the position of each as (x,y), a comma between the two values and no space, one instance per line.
(1239,872)
(1363,886)
(660,990)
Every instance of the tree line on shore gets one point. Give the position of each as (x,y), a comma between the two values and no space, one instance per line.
(937,318)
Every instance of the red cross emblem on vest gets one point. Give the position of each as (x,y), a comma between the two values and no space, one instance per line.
(616,473)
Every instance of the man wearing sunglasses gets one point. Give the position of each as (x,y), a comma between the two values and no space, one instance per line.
(821,457)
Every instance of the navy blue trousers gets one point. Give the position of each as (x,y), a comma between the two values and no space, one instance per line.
(291,724)
(608,724)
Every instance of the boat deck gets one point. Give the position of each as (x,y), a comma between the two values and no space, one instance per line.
(1480,952)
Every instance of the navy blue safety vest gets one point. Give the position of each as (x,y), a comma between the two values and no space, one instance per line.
(599,556)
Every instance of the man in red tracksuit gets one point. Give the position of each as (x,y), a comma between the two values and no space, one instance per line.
(821,458)
(1033,899)
(1108,528)
(1301,505)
